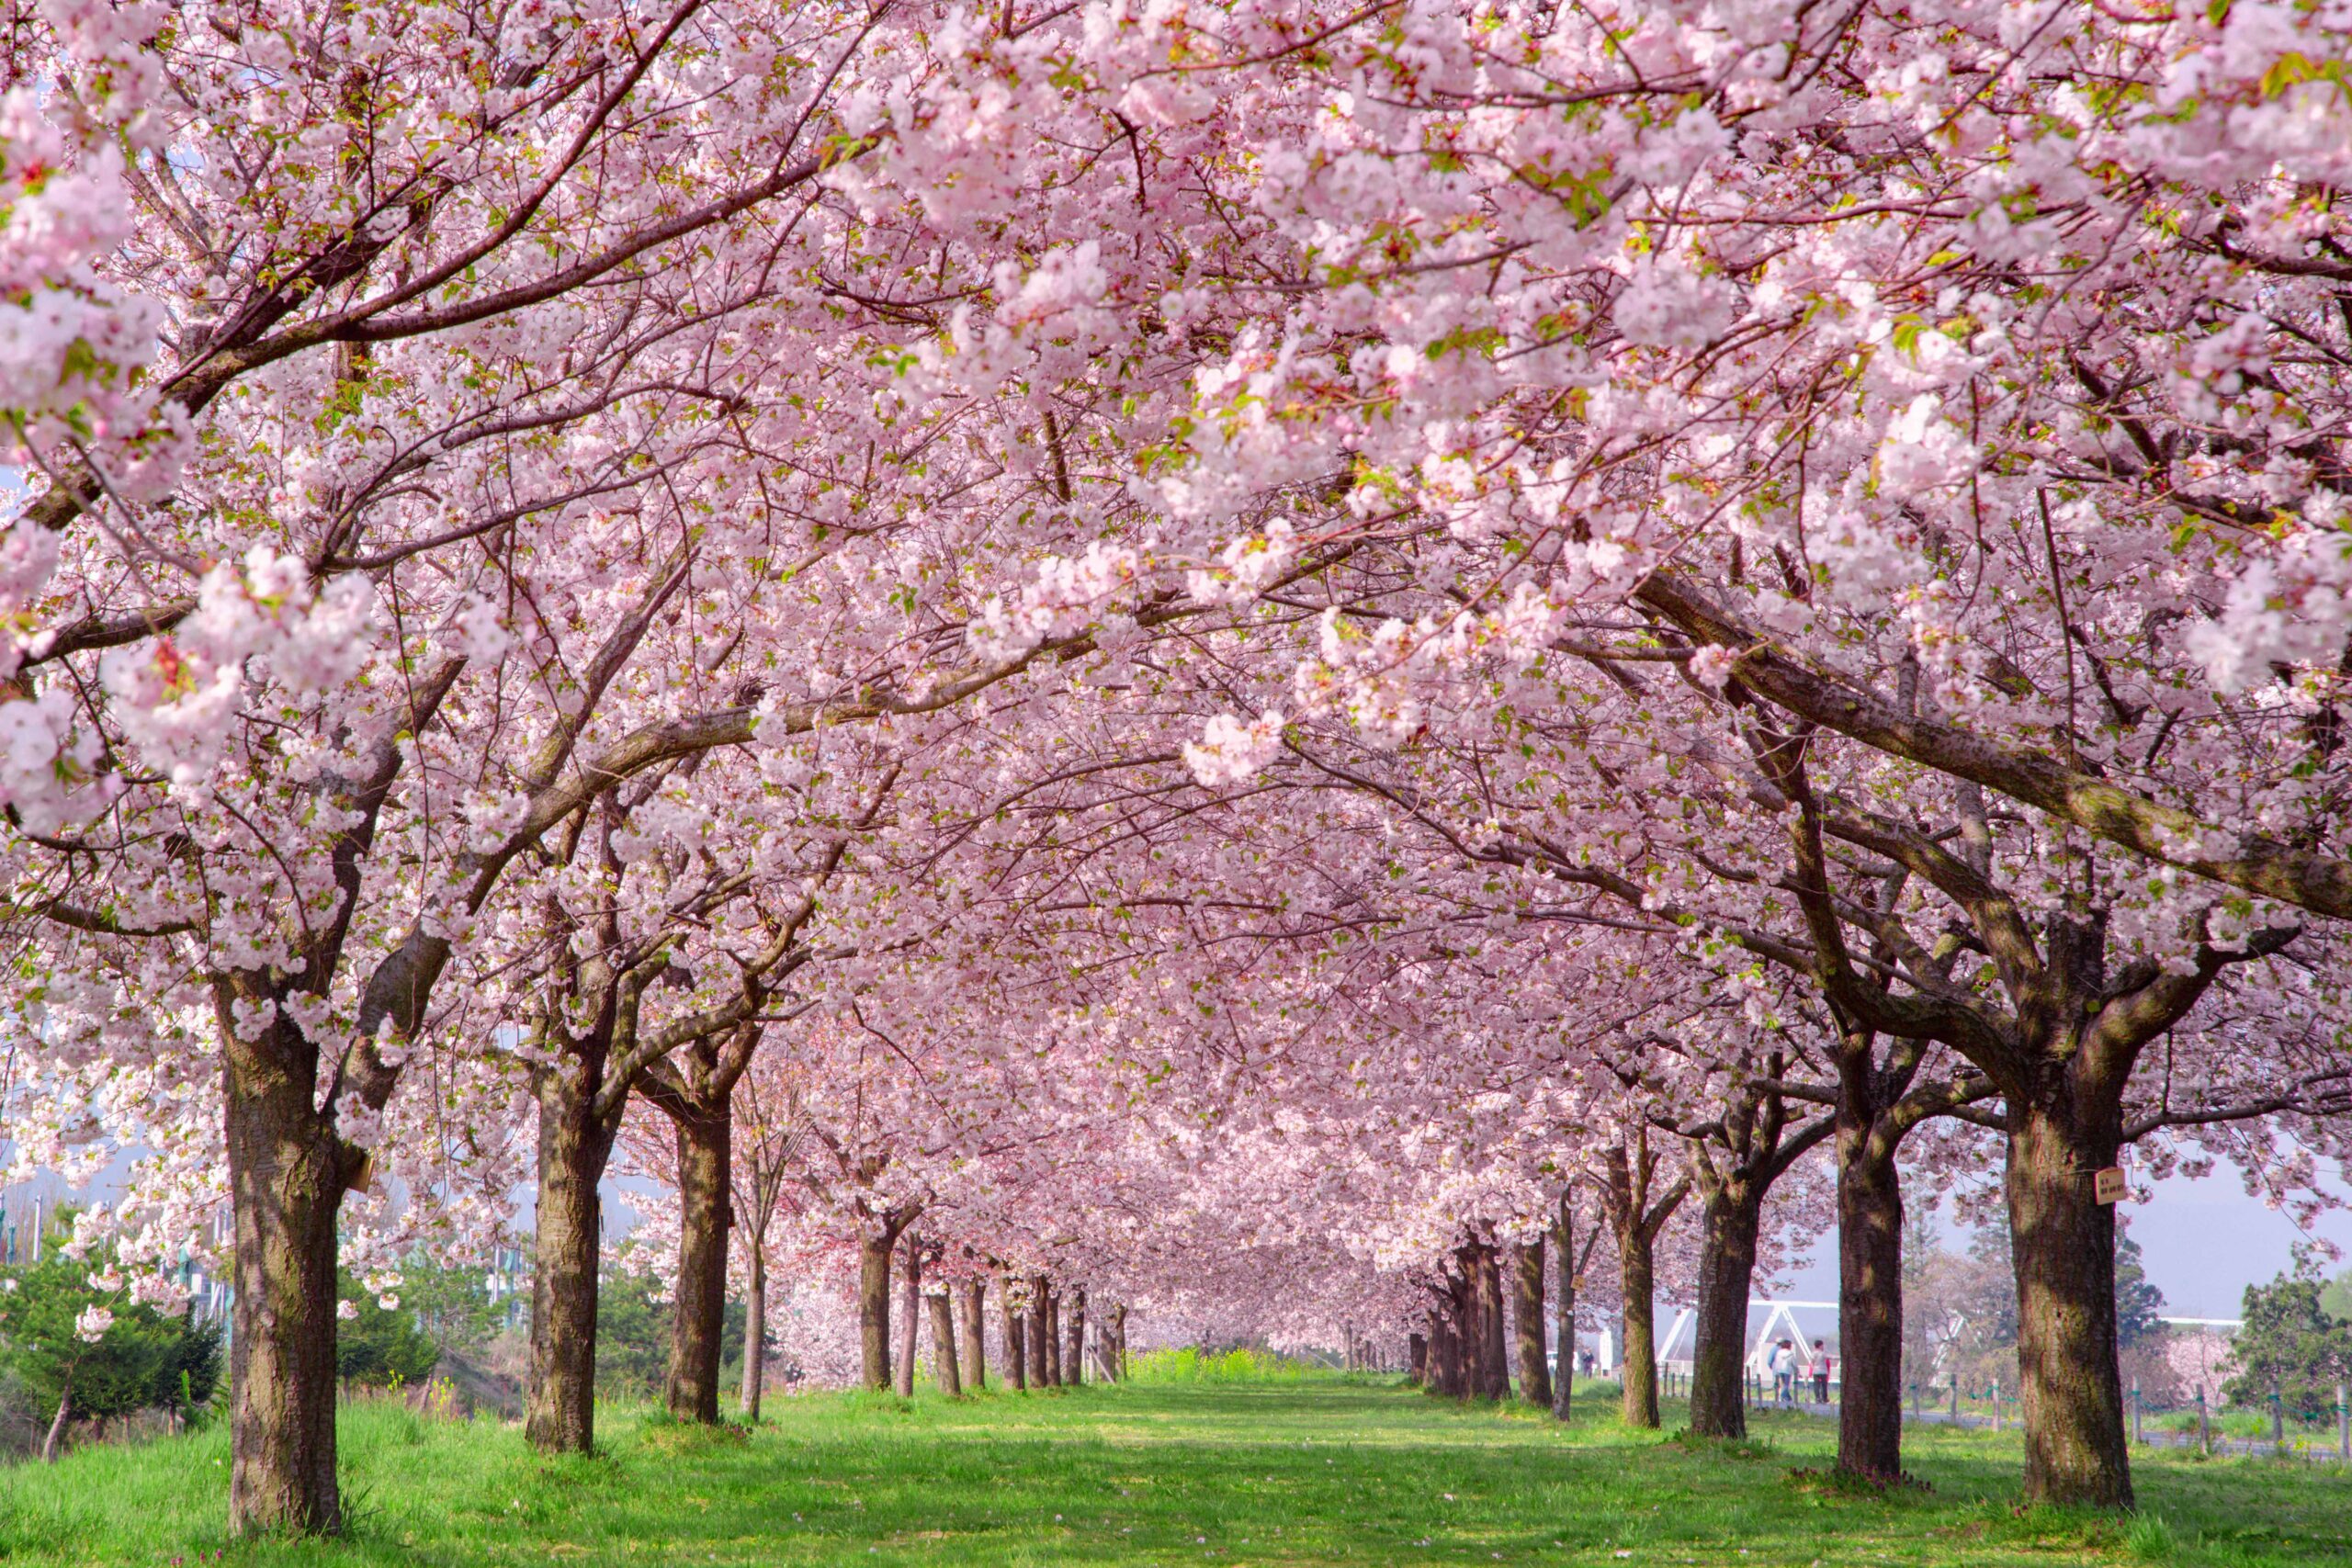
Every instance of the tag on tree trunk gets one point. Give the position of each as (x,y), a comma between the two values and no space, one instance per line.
(2107,1184)
(365,1180)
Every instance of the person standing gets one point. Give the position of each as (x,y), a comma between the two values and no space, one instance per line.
(1784,1364)
(1820,1372)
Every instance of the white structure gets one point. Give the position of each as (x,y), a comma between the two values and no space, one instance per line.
(1780,1319)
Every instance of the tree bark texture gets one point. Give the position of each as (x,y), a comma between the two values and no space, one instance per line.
(1637,1276)
(2062,1244)
(1040,1333)
(1497,1333)
(873,1252)
(1074,1337)
(1869,1308)
(974,1301)
(287,1180)
(1016,1335)
(910,1317)
(575,1145)
(1053,1338)
(945,1372)
(1563,1243)
(755,1332)
(1526,1313)
(699,1309)
(1448,1376)
(1416,1360)
(1729,1218)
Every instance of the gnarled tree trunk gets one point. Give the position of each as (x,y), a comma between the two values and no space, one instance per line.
(1526,1313)
(559,1414)
(1870,1306)
(1496,1359)
(1074,1337)
(1040,1334)
(945,1372)
(873,1252)
(1637,1280)
(976,1349)
(2062,1242)
(1448,1376)
(910,1317)
(699,1311)
(286,1179)
(1729,1220)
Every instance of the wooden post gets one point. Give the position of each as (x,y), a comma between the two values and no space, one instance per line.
(2278,1420)
(2204,1424)
(2135,1412)
(2343,1426)
(1996,1406)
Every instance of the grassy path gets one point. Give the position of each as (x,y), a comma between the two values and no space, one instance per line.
(1289,1474)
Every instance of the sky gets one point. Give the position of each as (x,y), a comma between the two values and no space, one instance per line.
(2203,1241)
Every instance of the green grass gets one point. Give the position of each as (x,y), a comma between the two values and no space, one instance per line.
(1301,1469)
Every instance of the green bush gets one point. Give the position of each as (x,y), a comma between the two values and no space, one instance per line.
(633,1335)
(144,1361)
(383,1347)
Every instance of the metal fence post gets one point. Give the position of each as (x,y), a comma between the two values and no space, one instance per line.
(2343,1426)
(1997,1404)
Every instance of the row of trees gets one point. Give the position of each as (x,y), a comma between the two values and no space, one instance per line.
(1232,659)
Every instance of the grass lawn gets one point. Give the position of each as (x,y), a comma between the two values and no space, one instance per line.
(1304,1470)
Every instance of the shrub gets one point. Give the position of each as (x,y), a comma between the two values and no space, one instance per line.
(142,1360)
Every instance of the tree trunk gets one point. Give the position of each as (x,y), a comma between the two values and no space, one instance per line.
(1447,1353)
(1869,1307)
(1728,1218)
(910,1317)
(2062,1244)
(1040,1333)
(1471,1303)
(1074,1338)
(1416,1360)
(1053,1338)
(873,1308)
(1497,1336)
(976,1349)
(1107,1344)
(945,1372)
(698,1310)
(756,1331)
(1637,1273)
(1016,1349)
(49,1445)
(285,1183)
(1563,1241)
(1526,1312)
(559,1416)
